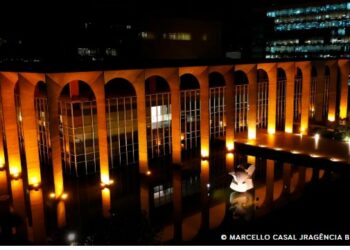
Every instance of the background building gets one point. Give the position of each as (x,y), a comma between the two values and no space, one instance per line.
(319,30)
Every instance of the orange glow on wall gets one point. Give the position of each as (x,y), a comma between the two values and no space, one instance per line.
(331,117)
(342,110)
(303,129)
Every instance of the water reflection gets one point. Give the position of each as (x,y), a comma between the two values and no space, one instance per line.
(242,205)
(182,203)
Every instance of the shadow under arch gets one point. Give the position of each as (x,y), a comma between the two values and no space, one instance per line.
(190,114)
(78,129)
(122,127)
(217,86)
(262,99)
(158,118)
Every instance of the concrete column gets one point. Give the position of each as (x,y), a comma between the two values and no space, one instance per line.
(252,99)
(174,82)
(53,92)
(8,82)
(290,74)
(230,110)
(344,76)
(271,113)
(287,175)
(99,91)
(332,94)
(203,80)
(320,87)
(30,133)
(2,152)
(139,84)
(305,100)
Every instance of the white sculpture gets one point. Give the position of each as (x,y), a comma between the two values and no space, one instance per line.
(242,179)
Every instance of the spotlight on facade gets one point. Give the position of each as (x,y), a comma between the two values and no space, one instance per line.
(34,186)
(2,166)
(62,197)
(15,173)
(230,147)
(271,131)
(107,184)
(317,137)
(148,173)
(204,154)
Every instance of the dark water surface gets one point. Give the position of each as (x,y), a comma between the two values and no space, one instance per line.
(191,204)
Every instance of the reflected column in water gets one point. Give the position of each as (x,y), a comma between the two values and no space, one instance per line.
(38,216)
(3,183)
(61,214)
(177,203)
(18,205)
(106,202)
(205,187)
(230,158)
(270,175)
(144,196)
(287,175)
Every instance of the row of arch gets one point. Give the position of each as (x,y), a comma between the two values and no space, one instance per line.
(121,110)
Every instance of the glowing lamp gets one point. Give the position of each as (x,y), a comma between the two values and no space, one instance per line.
(230,146)
(15,173)
(34,184)
(271,131)
(148,173)
(331,118)
(2,165)
(251,135)
(64,196)
(182,136)
(288,130)
(205,154)
(317,137)
(107,184)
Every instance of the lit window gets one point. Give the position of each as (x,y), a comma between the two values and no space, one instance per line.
(177,36)
(146,35)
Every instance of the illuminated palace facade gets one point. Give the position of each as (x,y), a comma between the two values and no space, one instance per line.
(91,122)
(310,31)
